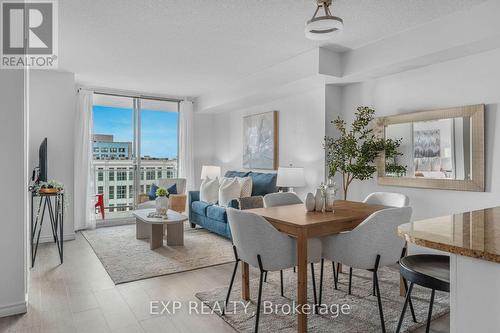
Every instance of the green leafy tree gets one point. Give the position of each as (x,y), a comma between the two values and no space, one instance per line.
(354,151)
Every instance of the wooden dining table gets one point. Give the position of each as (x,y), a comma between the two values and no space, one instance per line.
(295,221)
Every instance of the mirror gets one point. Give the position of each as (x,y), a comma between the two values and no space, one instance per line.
(438,149)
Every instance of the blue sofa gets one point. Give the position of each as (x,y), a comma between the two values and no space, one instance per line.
(214,217)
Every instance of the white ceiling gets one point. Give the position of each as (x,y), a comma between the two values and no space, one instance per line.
(188,48)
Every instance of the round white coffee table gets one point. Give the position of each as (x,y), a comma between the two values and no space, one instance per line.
(153,228)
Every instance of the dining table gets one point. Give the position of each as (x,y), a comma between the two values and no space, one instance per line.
(296,222)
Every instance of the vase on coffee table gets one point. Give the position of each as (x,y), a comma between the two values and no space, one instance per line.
(161,205)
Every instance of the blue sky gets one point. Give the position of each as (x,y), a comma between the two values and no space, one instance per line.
(158,129)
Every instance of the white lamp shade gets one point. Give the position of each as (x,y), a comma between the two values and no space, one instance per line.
(210,171)
(290,177)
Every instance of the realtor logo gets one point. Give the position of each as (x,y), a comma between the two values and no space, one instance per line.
(29,34)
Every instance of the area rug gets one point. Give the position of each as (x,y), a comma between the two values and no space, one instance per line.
(127,259)
(363,315)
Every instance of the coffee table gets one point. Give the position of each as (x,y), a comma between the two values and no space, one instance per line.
(154,228)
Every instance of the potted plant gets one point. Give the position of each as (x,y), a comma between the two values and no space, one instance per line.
(49,187)
(162,196)
(353,152)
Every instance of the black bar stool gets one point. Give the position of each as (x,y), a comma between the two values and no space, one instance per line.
(429,271)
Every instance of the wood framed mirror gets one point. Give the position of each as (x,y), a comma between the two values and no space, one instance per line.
(440,149)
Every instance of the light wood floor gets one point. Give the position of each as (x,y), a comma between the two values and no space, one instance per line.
(79,296)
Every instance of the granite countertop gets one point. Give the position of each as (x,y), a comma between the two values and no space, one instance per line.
(474,234)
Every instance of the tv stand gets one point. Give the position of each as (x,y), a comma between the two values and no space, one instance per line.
(54,202)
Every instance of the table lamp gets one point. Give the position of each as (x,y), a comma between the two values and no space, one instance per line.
(290,177)
(210,171)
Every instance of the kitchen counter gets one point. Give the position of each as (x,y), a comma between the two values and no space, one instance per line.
(473,241)
(473,234)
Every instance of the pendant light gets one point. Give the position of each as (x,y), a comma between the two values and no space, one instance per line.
(323,27)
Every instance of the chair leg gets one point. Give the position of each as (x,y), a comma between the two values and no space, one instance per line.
(232,278)
(412,310)
(230,286)
(321,282)
(373,287)
(259,298)
(335,276)
(350,279)
(429,315)
(377,289)
(314,287)
(265,277)
(407,300)
(294,269)
(281,282)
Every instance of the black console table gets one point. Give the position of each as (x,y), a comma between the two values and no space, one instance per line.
(54,203)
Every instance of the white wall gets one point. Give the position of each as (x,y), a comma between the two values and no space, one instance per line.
(301,134)
(13,197)
(470,80)
(52,115)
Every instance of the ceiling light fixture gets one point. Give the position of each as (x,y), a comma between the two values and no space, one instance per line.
(323,27)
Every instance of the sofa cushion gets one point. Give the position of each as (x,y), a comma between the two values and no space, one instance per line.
(179,182)
(263,183)
(217,213)
(152,192)
(246,186)
(200,207)
(172,189)
(229,189)
(209,190)
(231,174)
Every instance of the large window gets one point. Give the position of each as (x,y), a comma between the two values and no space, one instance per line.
(135,144)
(121,192)
(121,175)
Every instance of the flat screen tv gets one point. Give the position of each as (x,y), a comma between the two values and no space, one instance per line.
(42,161)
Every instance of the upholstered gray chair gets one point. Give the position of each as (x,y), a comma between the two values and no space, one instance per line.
(371,245)
(281,199)
(389,199)
(259,244)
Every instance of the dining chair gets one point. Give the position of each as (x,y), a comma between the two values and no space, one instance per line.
(371,245)
(257,243)
(281,199)
(390,199)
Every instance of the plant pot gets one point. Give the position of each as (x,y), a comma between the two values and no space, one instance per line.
(162,205)
(48,190)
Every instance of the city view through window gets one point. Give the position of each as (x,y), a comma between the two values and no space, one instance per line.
(124,128)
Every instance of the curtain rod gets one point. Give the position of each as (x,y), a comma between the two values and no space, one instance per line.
(165,99)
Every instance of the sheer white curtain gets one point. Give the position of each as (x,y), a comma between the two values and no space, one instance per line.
(186,155)
(84,200)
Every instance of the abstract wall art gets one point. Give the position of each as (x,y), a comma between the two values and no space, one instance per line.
(260,141)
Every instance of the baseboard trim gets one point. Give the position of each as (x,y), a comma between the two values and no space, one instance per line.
(50,238)
(13,309)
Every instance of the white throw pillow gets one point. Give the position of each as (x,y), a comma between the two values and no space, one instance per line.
(246,186)
(209,190)
(229,189)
